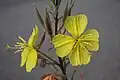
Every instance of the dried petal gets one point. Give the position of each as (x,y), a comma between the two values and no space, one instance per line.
(53,76)
(49,76)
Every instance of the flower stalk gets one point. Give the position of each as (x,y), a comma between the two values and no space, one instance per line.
(56,32)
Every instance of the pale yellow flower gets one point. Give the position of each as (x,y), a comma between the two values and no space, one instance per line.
(77,46)
(29,54)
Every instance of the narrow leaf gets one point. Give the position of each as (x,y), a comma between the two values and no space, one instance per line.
(51,4)
(39,16)
(48,23)
(71,6)
(65,12)
(58,2)
(53,1)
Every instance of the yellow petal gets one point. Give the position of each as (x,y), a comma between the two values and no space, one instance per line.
(24,56)
(79,56)
(34,36)
(90,39)
(74,56)
(76,24)
(31,61)
(85,55)
(36,32)
(63,44)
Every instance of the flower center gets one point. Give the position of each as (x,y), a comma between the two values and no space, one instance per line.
(78,41)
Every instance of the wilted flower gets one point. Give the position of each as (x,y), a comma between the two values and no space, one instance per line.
(29,54)
(76,46)
(53,76)
(48,77)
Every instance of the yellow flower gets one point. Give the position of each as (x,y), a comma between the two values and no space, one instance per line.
(77,46)
(29,54)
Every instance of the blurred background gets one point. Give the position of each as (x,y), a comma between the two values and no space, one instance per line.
(17,17)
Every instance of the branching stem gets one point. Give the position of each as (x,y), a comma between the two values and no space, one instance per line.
(55,62)
(56,32)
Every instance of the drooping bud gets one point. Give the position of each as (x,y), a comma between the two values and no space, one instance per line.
(53,76)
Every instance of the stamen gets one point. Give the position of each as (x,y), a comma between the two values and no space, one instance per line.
(22,39)
(87,43)
(7,46)
(88,35)
(18,51)
(21,44)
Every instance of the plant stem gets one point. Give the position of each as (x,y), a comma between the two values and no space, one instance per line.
(60,64)
(65,66)
(56,22)
(49,58)
(73,74)
(56,31)
(50,63)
